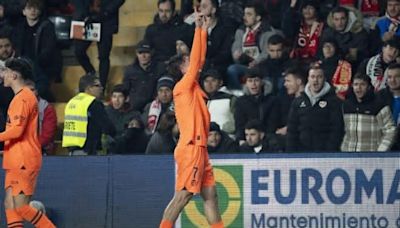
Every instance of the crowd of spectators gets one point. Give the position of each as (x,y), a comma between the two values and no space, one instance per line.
(280,76)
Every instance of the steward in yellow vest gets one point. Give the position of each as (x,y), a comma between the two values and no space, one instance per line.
(86,119)
(76,120)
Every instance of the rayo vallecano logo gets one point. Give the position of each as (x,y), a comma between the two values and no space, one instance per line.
(230,199)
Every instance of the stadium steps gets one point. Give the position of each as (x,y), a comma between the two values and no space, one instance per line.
(64,91)
(128,36)
(69,86)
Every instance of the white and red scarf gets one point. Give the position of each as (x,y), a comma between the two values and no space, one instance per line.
(375,71)
(154,115)
(395,22)
(249,45)
(307,40)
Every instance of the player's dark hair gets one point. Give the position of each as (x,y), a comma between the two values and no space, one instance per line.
(22,66)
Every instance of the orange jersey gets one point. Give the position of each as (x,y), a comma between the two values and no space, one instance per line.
(191,110)
(22,146)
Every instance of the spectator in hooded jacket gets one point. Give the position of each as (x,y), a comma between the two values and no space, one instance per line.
(167,28)
(368,121)
(345,26)
(219,142)
(370,10)
(47,122)
(140,78)
(315,122)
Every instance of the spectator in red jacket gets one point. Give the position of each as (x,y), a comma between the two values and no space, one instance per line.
(47,122)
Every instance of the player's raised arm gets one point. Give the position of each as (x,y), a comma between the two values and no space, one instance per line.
(206,21)
(198,52)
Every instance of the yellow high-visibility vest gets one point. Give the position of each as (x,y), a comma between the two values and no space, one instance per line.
(76,120)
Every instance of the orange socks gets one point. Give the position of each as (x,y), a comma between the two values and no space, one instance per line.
(14,220)
(218,225)
(166,224)
(37,218)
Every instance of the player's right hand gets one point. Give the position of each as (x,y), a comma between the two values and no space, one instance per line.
(198,18)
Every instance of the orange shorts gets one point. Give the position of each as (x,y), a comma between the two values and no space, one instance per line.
(194,170)
(21,181)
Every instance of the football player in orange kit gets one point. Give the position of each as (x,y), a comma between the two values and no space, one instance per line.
(22,158)
(194,171)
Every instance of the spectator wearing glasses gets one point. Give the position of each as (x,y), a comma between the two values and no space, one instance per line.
(86,119)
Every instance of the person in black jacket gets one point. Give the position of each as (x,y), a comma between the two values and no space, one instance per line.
(35,39)
(133,139)
(345,26)
(295,80)
(315,120)
(255,138)
(254,105)
(6,94)
(274,65)
(219,142)
(140,78)
(167,28)
(106,13)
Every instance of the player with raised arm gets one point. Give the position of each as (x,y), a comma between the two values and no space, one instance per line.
(194,171)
